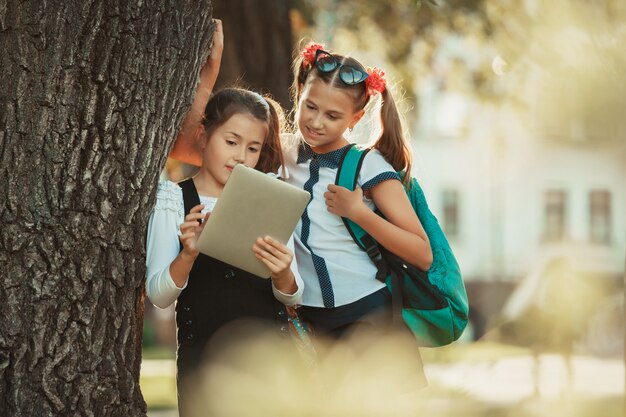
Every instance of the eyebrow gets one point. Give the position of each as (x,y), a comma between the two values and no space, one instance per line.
(334,112)
(238,136)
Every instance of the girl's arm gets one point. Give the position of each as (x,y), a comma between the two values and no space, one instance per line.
(167,269)
(186,148)
(400,231)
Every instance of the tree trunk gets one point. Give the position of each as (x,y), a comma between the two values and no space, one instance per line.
(91,97)
(257,46)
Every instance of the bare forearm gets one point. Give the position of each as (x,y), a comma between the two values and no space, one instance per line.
(411,247)
(206,82)
(196,112)
(186,147)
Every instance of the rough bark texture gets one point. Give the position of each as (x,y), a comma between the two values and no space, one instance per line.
(92,94)
(258,46)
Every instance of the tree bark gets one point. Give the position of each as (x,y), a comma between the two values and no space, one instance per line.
(92,95)
(258,46)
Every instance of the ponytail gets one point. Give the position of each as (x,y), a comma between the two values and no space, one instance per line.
(392,143)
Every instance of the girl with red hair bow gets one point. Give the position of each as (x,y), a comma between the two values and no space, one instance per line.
(330,94)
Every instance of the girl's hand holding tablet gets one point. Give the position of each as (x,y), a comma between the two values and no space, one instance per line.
(277,257)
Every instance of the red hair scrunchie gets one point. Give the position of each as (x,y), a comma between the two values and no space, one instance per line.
(375,82)
(308,53)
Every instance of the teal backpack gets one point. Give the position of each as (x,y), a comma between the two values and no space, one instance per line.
(432,304)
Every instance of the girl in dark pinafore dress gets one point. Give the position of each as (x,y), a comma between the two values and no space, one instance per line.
(240,127)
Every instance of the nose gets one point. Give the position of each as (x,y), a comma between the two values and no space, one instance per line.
(240,155)
(316,122)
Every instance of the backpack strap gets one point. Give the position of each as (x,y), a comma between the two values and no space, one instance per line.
(190,197)
(347,176)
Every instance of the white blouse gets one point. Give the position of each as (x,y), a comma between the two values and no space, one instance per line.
(163,245)
(321,237)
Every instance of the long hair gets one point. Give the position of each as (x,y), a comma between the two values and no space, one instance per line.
(391,143)
(230,101)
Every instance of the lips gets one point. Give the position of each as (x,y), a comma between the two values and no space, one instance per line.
(313,133)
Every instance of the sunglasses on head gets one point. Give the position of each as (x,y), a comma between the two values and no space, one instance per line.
(350,75)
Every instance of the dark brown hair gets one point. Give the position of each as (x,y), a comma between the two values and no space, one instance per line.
(230,101)
(391,143)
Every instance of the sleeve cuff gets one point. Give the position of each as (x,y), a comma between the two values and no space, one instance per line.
(380,178)
(165,292)
(171,282)
(290,299)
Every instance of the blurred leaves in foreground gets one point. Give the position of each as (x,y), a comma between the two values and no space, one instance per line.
(367,375)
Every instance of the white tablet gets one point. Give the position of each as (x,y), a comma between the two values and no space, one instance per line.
(252,205)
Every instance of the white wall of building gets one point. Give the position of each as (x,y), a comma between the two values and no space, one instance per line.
(502,188)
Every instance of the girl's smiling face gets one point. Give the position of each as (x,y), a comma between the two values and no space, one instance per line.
(324,114)
(238,141)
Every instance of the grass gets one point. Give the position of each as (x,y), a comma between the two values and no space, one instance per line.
(159,392)
(159,388)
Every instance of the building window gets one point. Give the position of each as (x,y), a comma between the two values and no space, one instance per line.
(555,212)
(451,213)
(600,216)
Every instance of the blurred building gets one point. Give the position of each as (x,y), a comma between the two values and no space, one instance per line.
(515,184)
(508,202)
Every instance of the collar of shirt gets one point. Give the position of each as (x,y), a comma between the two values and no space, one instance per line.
(330,159)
